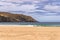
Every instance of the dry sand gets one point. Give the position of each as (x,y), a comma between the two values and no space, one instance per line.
(29,33)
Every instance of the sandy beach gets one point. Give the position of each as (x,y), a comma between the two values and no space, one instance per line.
(29,33)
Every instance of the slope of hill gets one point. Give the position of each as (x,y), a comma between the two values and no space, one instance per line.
(9,17)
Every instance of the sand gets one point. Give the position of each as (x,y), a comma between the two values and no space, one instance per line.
(29,33)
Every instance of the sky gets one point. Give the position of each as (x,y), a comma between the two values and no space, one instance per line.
(40,10)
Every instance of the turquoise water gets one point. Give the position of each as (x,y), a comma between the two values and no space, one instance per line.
(50,23)
(32,23)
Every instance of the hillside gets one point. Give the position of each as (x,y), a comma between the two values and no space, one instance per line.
(9,17)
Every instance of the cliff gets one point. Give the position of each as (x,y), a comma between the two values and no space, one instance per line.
(9,17)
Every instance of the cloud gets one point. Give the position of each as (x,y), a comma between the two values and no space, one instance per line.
(19,5)
(25,8)
(41,10)
(9,5)
(44,18)
(24,0)
(44,11)
(5,4)
(49,19)
(52,8)
(51,14)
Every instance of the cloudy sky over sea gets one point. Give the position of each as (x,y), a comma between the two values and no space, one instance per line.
(41,10)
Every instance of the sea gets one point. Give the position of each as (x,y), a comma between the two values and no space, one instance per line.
(32,23)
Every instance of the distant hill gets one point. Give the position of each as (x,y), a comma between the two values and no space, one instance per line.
(9,17)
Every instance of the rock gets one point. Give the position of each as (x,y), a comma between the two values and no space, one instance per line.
(9,17)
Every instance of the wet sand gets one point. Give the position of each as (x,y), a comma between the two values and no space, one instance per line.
(29,33)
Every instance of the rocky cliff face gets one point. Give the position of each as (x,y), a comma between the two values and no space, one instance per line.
(9,17)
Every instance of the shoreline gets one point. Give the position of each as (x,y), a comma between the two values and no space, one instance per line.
(26,26)
(17,25)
